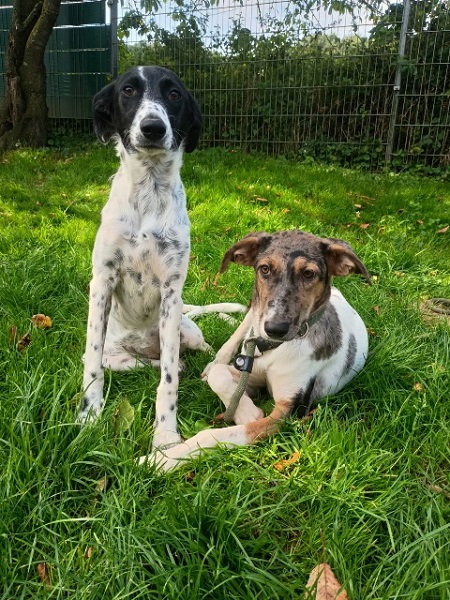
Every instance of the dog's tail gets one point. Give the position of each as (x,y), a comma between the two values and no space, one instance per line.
(222,309)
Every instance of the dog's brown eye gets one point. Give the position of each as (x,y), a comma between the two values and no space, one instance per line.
(128,90)
(309,274)
(264,269)
(174,95)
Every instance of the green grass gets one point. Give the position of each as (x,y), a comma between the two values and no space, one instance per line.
(369,493)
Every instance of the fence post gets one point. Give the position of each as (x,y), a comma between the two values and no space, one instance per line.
(113,5)
(398,80)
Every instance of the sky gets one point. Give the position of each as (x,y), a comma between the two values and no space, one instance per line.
(221,16)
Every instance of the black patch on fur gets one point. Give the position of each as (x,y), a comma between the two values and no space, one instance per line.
(326,338)
(351,354)
(302,400)
(119,256)
(168,378)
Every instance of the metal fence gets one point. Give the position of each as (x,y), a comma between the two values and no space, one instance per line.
(344,88)
(352,89)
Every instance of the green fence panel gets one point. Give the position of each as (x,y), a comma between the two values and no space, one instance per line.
(70,96)
(79,38)
(5,17)
(75,61)
(84,13)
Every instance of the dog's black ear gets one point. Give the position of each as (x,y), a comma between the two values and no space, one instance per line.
(193,133)
(246,250)
(343,261)
(104,113)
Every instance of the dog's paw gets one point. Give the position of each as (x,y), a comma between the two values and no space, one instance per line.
(207,369)
(160,460)
(165,439)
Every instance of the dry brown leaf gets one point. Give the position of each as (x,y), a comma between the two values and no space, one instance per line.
(88,553)
(323,585)
(444,229)
(102,483)
(279,466)
(43,574)
(418,387)
(24,342)
(376,308)
(364,225)
(41,321)
(439,490)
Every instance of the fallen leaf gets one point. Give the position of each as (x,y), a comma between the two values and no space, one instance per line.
(358,206)
(444,229)
(43,574)
(439,490)
(279,466)
(41,321)
(364,225)
(88,552)
(123,417)
(420,222)
(376,308)
(323,585)
(418,387)
(24,342)
(101,485)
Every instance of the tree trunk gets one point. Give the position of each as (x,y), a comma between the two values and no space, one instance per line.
(23,115)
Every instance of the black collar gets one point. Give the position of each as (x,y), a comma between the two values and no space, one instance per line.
(263,344)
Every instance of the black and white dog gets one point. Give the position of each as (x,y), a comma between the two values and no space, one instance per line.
(141,253)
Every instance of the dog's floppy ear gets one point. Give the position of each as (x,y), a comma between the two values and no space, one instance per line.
(246,250)
(343,261)
(193,133)
(104,113)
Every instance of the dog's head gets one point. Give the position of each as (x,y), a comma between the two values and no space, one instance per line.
(293,272)
(150,110)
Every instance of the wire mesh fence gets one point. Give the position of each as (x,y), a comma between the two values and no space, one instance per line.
(358,89)
(352,88)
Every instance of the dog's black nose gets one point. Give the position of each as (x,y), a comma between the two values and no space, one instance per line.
(153,129)
(276,329)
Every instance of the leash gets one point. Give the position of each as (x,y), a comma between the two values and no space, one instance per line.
(440,306)
(244,362)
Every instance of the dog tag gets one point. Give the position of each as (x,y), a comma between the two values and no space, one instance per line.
(243,362)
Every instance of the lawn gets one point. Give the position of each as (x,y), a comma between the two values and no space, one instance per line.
(367,488)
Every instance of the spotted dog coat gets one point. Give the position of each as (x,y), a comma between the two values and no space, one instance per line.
(141,251)
(312,341)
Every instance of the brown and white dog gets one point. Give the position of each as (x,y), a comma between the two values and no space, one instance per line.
(310,341)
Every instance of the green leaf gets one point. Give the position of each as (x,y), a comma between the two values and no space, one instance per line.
(123,417)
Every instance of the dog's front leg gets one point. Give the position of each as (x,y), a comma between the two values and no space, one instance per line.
(229,349)
(100,295)
(165,425)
